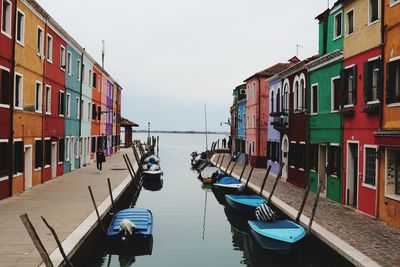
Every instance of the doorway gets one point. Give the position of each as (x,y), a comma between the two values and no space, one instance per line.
(285,160)
(53,160)
(72,160)
(322,168)
(352,174)
(28,167)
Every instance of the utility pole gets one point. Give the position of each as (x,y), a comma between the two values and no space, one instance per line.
(103,53)
(148,133)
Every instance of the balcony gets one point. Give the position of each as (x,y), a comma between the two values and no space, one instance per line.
(280,122)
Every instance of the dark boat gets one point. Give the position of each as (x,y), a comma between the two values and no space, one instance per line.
(141,218)
(153,184)
(209,175)
(280,236)
(245,203)
(237,220)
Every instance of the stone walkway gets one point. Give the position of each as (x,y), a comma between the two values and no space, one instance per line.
(361,239)
(64,202)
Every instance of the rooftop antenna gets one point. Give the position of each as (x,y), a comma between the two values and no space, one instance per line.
(297,49)
(103,53)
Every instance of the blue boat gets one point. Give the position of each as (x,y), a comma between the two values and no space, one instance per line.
(228,180)
(245,203)
(143,220)
(281,236)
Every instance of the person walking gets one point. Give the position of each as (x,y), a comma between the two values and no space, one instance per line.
(100,158)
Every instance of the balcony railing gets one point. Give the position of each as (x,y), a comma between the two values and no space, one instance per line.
(280,122)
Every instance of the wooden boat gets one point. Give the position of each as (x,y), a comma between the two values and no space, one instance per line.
(209,174)
(281,236)
(231,186)
(245,203)
(141,218)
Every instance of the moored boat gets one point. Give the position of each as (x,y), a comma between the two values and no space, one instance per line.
(281,235)
(245,203)
(209,175)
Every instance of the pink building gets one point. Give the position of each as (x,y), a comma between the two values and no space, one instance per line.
(256,118)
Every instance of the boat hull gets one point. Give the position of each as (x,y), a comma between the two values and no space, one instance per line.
(152,175)
(238,203)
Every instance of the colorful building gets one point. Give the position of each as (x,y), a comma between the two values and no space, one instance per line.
(388,137)
(7,35)
(109,115)
(241,123)
(96,109)
(361,102)
(257,114)
(325,122)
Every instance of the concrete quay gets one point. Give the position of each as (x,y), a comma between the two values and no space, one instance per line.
(361,239)
(66,204)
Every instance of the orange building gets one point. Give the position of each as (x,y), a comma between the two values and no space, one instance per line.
(388,137)
(96,106)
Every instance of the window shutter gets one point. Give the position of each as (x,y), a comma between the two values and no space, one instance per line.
(354,93)
(380,81)
(367,82)
(343,88)
(389,87)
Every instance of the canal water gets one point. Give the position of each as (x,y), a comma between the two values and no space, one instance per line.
(192,229)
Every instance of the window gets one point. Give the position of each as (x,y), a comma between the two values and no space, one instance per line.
(49,51)
(286,98)
(278,100)
(349,82)
(6,18)
(81,147)
(292,154)
(89,109)
(76,147)
(301,96)
(372,83)
(67,149)
(254,90)
(350,22)
(94,112)
(77,108)
(20,34)
(48,99)
(93,145)
(373,10)
(314,99)
(94,78)
(18,157)
(82,108)
(79,70)
(247,122)
(335,94)
(61,104)
(90,78)
(254,121)
(83,72)
(272,102)
(61,150)
(18,90)
(47,152)
(393,171)
(314,157)
(300,151)
(38,96)
(333,160)
(273,151)
(99,113)
(38,154)
(69,61)
(296,96)
(68,105)
(5,161)
(337,26)
(62,57)
(39,41)
(5,90)
(393,82)
(370,165)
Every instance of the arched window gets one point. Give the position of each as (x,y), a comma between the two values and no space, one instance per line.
(278,100)
(286,98)
(272,102)
(296,96)
(303,95)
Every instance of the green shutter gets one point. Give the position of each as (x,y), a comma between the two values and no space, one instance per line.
(367,82)
(354,93)
(389,87)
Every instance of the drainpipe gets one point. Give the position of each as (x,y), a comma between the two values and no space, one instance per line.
(259,117)
(11,137)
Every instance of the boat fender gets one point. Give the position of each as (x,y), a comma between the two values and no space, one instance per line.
(265,213)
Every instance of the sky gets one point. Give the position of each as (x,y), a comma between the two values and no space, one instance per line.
(173,56)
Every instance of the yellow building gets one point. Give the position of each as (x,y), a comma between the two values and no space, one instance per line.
(28,94)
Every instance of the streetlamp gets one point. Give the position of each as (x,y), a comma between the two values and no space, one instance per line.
(148,133)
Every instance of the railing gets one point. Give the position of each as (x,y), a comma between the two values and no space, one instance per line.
(280,121)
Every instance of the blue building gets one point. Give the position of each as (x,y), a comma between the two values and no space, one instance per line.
(240,142)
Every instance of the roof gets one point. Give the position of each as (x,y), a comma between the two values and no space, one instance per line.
(296,68)
(271,71)
(127,123)
(325,59)
(324,15)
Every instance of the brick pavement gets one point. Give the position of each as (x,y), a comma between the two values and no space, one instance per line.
(65,203)
(376,240)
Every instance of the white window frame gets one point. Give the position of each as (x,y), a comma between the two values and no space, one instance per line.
(9,73)
(90,78)
(286,89)
(254,90)
(40,49)
(77,108)
(335,34)
(369,13)
(393,196)
(67,148)
(4,178)
(312,99)
(82,109)
(254,121)
(49,48)
(83,72)
(89,111)
(347,105)
(21,91)
(333,94)
(48,99)
(247,122)
(7,32)
(394,2)
(346,32)
(62,57)
(68,105)
(40,104)
(79,70)
(364,166)
(44,152)
(69,63)
(22,41)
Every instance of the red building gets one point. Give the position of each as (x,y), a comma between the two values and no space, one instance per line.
(96,108)
(7,19)
(54,100)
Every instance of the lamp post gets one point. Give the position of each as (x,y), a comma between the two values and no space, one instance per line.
(148,133)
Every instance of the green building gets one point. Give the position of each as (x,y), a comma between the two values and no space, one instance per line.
(325,122)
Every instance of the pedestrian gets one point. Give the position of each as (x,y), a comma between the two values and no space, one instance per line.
(224,143)
(100,157)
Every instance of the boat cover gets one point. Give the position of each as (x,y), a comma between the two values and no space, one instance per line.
(282,230)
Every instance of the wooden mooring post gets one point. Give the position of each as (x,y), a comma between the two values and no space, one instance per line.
(303,202)
(276,182)
(129,169)
(36,240)
(60,247)
(265,179)
(314,207)
(110,192)
(97,211)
